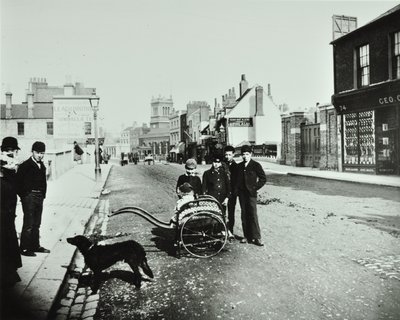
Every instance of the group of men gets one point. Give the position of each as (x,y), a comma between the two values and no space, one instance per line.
(28,180)
(227,181)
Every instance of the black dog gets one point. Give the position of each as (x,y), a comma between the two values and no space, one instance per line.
(100,257)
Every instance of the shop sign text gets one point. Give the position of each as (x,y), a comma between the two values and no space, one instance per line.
(389,99)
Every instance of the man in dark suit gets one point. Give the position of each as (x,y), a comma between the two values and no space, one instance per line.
(250,178)
(232,165)
(32,187)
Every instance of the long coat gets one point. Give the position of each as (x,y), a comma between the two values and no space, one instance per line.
(10,256)
(216,183)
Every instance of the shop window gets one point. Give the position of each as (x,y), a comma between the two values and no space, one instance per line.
(21,128)
(396,55)
(50,129)
(359,138)
(363,65)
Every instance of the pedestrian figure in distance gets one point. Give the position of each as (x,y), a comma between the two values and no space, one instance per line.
(232,167)
(10,255)
(250,178)
(32,187)
(77,153)
(190,177)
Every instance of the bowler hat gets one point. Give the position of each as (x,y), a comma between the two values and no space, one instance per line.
(186,187)
(9,143)
(39,146)
(245,148)
(191,164)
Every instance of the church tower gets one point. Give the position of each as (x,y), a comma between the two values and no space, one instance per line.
(161,109)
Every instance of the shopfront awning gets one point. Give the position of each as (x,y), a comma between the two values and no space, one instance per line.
(179,148)
(206,136)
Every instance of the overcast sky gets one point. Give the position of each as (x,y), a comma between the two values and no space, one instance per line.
(191,50)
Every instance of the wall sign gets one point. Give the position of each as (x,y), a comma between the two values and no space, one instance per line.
(240,122)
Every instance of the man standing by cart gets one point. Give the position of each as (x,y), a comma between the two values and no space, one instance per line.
(250,178)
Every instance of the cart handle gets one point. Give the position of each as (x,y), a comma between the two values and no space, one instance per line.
(144,214)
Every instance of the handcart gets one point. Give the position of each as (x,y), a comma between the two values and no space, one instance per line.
(199,226)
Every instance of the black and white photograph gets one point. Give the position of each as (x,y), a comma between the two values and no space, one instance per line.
(181,160)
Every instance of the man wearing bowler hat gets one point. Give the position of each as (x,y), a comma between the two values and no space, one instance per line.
(250,177)
(32,186)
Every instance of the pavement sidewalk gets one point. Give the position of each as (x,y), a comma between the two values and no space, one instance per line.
(68,207)
(392,181)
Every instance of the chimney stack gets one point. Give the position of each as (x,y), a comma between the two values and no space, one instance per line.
(259,101)
(8,104)
(269,90)
(243,85)
(30,104)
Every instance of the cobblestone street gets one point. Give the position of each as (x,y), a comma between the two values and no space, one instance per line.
(319,262)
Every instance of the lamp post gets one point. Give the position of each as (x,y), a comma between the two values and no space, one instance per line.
(94,104)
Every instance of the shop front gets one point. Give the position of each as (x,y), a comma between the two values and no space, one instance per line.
(369,128)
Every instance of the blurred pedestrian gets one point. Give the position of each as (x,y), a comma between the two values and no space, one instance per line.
(190,177)
(77,153)
(232,167)
(10,255)
(250,178)
(32,187)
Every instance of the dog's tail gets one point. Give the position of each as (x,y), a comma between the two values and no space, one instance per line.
(146,268)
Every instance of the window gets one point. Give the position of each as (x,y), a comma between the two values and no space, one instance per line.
(363,65)
(88,128)
(50,130)
(396,55)
(21,128)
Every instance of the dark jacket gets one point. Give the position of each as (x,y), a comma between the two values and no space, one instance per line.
(194,181)
(216,183)
(30,177)
(250,178)
(233,166)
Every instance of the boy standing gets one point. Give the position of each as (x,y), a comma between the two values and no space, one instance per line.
(250,178)
(32,187)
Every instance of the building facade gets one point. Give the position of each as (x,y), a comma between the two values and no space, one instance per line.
(367,95)
(157,140)
(253,118)
(55,115)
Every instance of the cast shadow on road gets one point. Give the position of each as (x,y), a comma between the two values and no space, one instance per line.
(389,224)
(164,240)
(333,187)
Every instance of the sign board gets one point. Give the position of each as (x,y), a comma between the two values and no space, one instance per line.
(342,25)
(240,122)
(92,141)
(72,117)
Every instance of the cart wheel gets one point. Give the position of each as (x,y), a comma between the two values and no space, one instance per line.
(204,234)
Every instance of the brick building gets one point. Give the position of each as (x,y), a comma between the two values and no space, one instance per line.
(367,95)
(56,115)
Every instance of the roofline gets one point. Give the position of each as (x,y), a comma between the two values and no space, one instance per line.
(384,15)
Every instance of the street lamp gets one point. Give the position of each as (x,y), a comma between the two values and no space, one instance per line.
(94,103)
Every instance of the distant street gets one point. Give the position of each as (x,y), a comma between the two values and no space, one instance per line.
(332,251)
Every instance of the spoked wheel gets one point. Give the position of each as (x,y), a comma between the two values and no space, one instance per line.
(204,234)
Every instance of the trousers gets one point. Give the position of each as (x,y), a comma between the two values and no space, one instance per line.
(32,206)
(250,225)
